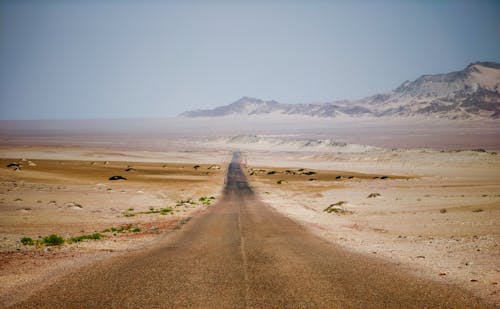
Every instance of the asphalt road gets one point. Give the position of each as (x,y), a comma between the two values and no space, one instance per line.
(243,254)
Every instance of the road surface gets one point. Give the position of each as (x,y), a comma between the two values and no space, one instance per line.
(241,253)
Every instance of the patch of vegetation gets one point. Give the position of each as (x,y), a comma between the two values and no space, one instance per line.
(336,208)
(122,229)
(338,177)
(184,202)
(309,173)
(196,167)
(271,172)
(95,236)
(207,201)
(27,241)
(374,195)
(53,240)
(152,210)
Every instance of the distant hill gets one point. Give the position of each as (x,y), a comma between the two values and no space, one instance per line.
(473,92)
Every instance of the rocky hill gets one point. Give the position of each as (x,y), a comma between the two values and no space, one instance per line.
(473,92)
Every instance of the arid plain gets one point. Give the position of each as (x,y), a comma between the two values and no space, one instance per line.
(432,212)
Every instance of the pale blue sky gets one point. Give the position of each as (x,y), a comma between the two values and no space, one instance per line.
(115,59)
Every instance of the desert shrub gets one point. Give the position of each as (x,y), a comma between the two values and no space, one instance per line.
(27,241)
(52,240)
(336,208)
(309,173)
(196,167)
(271,172)
(280,181)
(95,236)
(373,195)
(135,229)
(165,211)
(443,210)
(477,210)
(207,201)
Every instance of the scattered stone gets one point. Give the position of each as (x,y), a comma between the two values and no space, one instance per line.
(31,163)
(154,228)
(73,205)
(117,177)
(14,166)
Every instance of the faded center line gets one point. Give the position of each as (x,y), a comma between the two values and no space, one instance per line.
(245,260)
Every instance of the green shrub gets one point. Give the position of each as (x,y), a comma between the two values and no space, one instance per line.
(336,208)
(135,229)
(27,241)
(95,236)
(52,240)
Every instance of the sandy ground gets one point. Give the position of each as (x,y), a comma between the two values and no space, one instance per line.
(70,195)
(437,213)
(434,213)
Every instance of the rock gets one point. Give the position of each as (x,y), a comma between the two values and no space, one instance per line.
(117,177)
(14,166)
(30,163)
(73,205)
(154,228)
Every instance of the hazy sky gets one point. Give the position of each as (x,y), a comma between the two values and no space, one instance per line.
(113,59)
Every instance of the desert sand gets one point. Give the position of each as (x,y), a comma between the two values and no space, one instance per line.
(70,195)
(432,212)
(436,214)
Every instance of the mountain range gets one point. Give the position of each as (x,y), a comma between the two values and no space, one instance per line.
(471,93)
